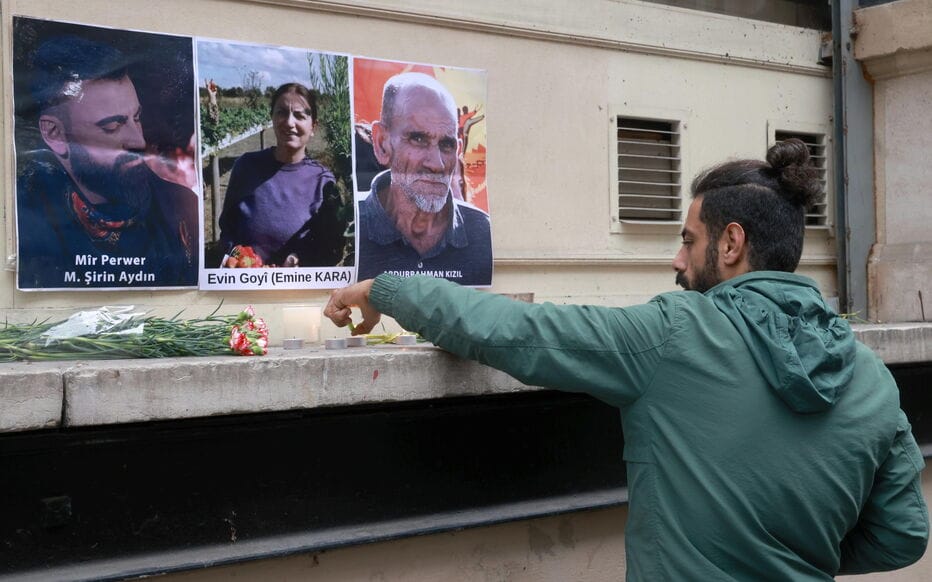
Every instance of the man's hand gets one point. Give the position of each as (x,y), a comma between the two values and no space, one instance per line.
(338,308)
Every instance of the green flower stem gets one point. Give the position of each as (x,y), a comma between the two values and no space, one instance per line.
(159,338)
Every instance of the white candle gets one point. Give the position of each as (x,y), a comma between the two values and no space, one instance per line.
(301,322)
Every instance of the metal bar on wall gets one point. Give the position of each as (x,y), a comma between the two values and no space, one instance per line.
(854,163)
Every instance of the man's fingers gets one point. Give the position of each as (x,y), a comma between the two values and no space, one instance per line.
(365,326)
(337,311)
(341,300)
(342,318)
(370,317)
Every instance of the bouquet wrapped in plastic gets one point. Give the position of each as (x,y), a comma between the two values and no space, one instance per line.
(120,332)
(242,257)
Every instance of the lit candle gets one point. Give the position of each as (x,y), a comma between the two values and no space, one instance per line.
(301,322)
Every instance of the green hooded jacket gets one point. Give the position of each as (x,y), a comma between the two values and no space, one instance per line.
(762,441)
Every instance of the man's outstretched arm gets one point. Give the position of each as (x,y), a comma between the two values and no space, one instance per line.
(610,353)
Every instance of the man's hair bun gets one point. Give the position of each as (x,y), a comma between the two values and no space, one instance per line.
(799,180)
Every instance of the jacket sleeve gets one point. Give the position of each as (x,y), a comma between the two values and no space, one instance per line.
(610,353)
(893,528)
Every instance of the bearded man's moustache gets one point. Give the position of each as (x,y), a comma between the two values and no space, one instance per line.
(127,159)
(682,281)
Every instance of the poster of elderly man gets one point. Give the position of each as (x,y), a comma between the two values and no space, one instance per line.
(420,172)
(104,141)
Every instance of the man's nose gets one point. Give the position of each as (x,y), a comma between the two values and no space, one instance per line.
(434,161)
(679,263)
(133,138)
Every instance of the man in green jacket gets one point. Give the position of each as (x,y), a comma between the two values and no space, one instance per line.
(762,441)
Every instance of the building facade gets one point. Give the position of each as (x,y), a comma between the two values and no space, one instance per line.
(599,114)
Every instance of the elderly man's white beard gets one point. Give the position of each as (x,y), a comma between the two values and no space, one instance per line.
(425,202)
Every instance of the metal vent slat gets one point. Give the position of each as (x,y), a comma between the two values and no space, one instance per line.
(648,196)
(677,158)
(658,170)
(640,142)
(647,130)
(646,209)
(652,221)
(663,184)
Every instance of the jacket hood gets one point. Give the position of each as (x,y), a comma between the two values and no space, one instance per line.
(804,349)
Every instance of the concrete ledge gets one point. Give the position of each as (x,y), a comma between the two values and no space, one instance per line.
(898,343)
(886,29)
(73,394)
(144,390)
(31,396)
(894,39)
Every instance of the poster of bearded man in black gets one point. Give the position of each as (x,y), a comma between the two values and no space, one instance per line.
(104,140)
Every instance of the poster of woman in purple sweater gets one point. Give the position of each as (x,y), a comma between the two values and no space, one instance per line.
(281,214)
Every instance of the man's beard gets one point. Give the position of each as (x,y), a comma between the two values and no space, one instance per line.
(425,202)
(705,279)
(126,189)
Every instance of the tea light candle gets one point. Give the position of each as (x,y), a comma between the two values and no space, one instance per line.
(356,341)
(337,343)
(301,322)
(292,343)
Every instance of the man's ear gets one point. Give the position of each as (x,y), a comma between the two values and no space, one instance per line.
(733,245)
(53,134)
(381,143)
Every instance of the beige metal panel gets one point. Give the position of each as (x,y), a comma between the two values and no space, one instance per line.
(725,111)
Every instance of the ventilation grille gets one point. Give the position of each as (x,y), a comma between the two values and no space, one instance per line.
(817,214)
(649,171)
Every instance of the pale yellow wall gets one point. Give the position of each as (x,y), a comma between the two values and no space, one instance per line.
(556,73)
(580,547)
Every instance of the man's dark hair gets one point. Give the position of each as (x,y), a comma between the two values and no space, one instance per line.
(61,63)
(309,95)
(768,199)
